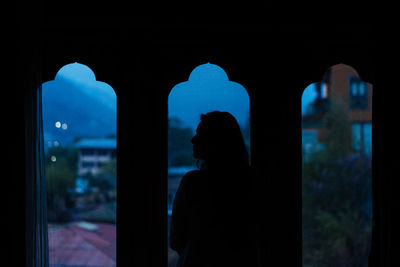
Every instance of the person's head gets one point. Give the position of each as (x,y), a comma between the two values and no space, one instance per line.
(219,141)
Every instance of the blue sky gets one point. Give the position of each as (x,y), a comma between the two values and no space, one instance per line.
(309,94)
(83,78)
(208,88)
(76,104)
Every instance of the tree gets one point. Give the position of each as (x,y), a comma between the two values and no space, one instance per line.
(337,129)
(69,154)
(106,178)
(180,152)
(336,197)
(59,177)
(60,169)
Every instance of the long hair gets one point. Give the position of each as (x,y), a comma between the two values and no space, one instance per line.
(228,172)
(224,141)
(221,220)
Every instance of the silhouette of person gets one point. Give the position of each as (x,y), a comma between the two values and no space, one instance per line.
(213,213)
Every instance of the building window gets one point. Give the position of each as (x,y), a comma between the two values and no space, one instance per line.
(207,89)
(103,152)
(361,134)
(88,164)
(336,172)
(358,93)
(79,115)
(87,152)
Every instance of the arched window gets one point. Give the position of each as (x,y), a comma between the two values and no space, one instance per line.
(336,169)
(79,132)
(207,89)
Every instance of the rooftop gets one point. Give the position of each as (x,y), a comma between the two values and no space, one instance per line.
(180,170)
(82,244)
(97,143)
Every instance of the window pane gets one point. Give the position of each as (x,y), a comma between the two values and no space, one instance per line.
(354,87)
(362,88)
(356,133)
(79,121)
(367,133)
(336,180)
(208,89)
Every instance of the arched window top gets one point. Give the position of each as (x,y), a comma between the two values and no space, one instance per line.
(212,71)
(343,79)
(339,72)
(82,98)
(208,88)
(75,71)
(80,75)
(340,83)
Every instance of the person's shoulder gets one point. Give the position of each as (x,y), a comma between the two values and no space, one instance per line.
(190,178)
(192,174)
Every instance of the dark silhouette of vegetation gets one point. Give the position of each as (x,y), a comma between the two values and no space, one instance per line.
(60,169)
(105,179)
(179,146)
(97,204)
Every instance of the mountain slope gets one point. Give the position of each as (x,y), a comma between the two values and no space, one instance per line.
(87,110)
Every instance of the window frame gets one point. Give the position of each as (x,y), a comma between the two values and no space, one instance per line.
(37,248)
(381,204)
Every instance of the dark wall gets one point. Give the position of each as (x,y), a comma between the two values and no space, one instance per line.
(142,59)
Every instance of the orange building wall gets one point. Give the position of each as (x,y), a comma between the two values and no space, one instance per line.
(339,89)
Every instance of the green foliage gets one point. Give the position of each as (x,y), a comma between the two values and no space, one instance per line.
(336,213)
(106,178)
(180,152)
(67,154)
(108,169)
(103,213)
(337,126)
(60,176)
(336,198)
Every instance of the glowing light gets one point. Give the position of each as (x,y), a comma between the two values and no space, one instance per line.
(354,89)
(362,88)
(58,124)
(53,158)
(325,92)
(64,126)
(56,143)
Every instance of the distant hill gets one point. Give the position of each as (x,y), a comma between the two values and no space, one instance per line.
(87,110)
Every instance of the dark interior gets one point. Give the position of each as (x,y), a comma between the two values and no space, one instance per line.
(143,58)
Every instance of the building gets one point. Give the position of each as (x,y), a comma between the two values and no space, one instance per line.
(93,153)
(341,89)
